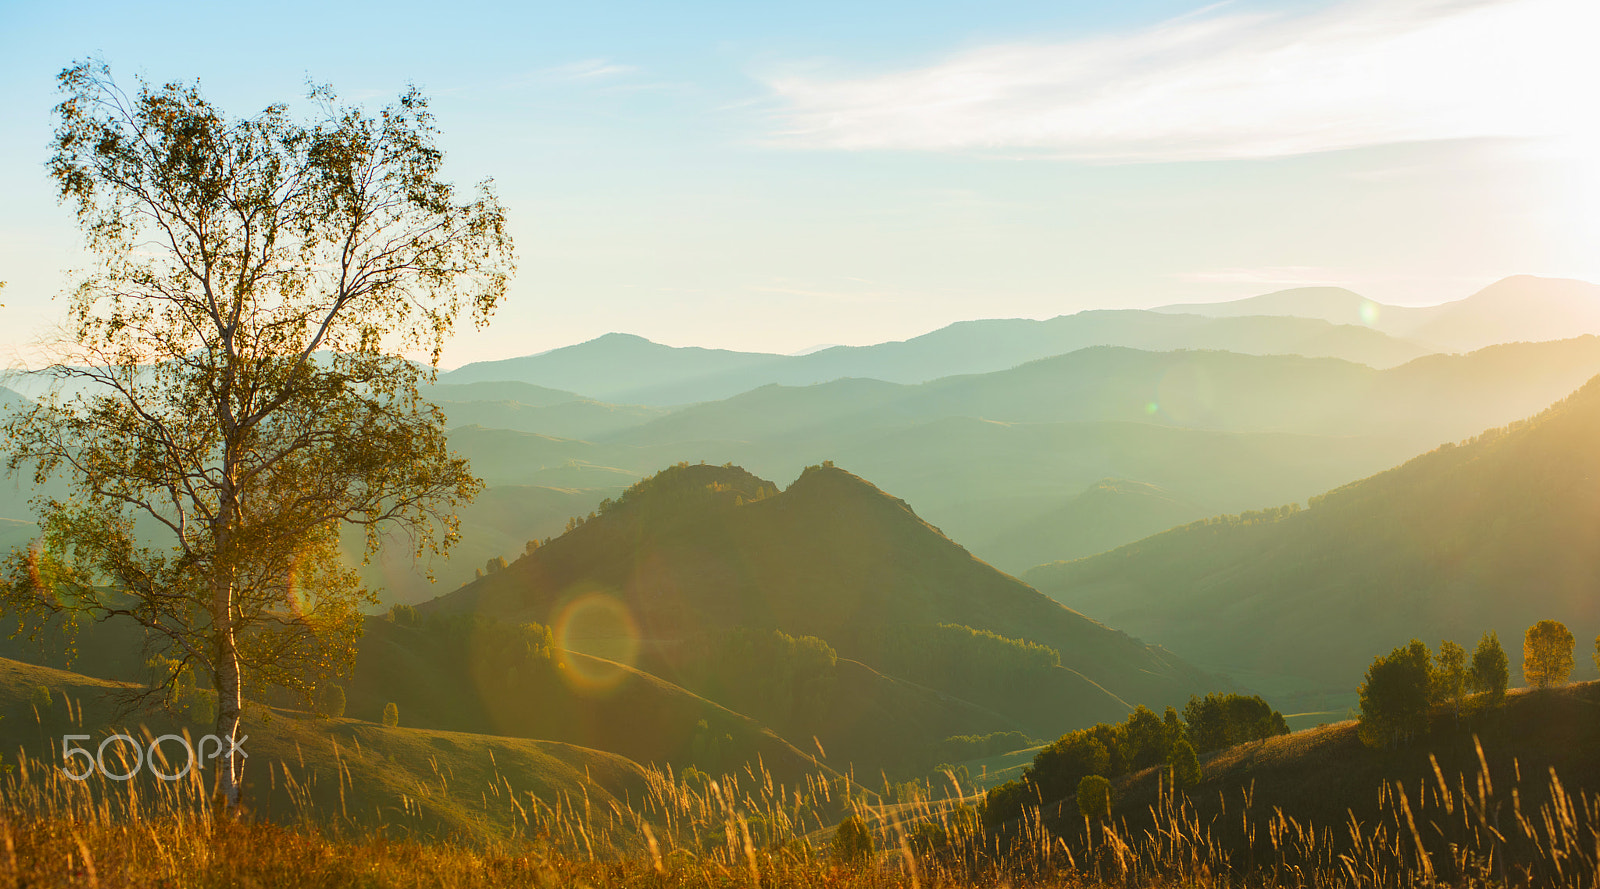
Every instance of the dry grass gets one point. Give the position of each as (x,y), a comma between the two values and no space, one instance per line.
(1440,826)
(745,830)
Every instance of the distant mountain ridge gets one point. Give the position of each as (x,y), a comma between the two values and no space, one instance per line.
(1496,533)
(630,369)
(1521,308)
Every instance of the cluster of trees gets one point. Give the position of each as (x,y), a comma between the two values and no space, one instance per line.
(1106,751)
(1218,721)
(960,748)
(683,484)
(975,664)
(1401,689)
(784,681)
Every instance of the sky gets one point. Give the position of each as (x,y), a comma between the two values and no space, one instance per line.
(776,177)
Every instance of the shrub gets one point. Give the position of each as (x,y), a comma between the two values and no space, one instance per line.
(1184,765)
(1094,796)
(391,715)
(405,615)
(330,702)
(852,842)
(1490,672)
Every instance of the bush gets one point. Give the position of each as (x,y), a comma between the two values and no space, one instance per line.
(1490,672)
(1094,797)
(391,715)
(1396,695)
(330,702)
(852,842)
(41,700)
(1218,721)
(405,615)
(1183,765)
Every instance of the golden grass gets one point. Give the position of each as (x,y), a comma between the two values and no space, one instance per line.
(745,830)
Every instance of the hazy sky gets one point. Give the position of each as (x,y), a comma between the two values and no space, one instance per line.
(765,176)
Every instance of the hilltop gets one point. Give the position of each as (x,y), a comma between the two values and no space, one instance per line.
(706,549)
(1495,533)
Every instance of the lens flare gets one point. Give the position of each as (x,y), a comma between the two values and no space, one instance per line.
(597,640)
(1368,312)
(1186,394)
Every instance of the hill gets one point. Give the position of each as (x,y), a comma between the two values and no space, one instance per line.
(619,367)
(1495,533)
(368,775)
(1514,309)
(1293,802)
(700,549)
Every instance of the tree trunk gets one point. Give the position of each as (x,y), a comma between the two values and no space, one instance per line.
(230,771)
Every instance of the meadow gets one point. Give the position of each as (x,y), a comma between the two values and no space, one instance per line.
(1436,825)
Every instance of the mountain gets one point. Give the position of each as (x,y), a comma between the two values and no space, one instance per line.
(615,367)
(707,549)
(1521,308)
(618,367)
(1518,308)
(1495,533)
(990,457)
(1434,398)
(1108,514)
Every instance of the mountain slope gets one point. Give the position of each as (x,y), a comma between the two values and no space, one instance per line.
(704,547)
(1496,533)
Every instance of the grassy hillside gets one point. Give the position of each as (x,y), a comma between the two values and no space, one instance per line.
(1496,533)
(1527,770)
(702,548)
(348,771)
(493,678)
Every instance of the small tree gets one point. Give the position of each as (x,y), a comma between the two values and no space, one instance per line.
(330,703)
(391,715)
(1450,676)
(1184,765)
(1395,696)
(238,374)
(1094,797)
(1547,654)
(41,700)
(852,842)
(1491,670)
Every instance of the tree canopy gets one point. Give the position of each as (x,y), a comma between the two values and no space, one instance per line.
(1547,654)
(1396,695)
(235,370)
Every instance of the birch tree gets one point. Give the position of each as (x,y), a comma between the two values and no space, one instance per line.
(238,375)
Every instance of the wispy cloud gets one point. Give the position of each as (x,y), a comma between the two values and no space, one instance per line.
(588,69)
(1226,84)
